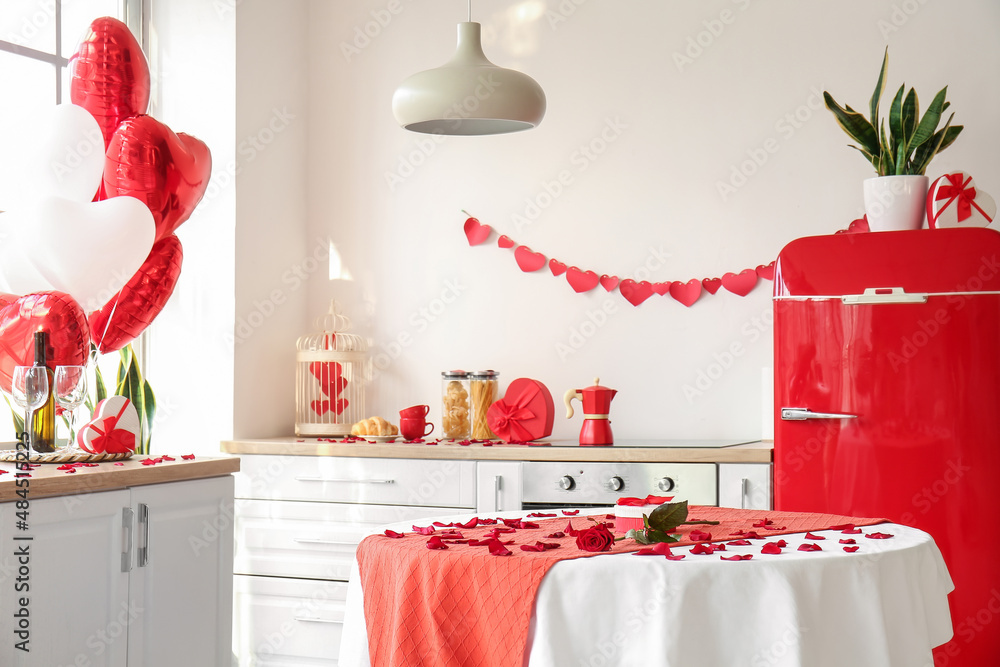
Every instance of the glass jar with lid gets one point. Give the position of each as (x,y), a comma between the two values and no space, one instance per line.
(456,421)
(484,391)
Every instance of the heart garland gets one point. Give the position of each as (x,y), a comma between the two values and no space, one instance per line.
(635,292)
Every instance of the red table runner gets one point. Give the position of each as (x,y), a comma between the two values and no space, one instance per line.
(463,607)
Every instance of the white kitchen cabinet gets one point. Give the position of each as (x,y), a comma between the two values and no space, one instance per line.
(499,486)
(299,520)
(745,486)
(133,577)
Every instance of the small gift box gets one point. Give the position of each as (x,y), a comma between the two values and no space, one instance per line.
(628,513)
(954,201)
(114,429)
(525,413)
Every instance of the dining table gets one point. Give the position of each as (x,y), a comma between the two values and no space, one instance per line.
(867,596)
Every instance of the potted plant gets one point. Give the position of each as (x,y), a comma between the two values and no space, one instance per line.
(900,148)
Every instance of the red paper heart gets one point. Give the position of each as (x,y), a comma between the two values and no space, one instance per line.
(505,242)
(526,259)
(476,233)
(330,376)
(54,312)
(740,283)
(858,226)
(712,285)
(165,171)
(661,288)
(110,75)
(687,293)
(609,282)
(556,267)
(766,271)
(322,407)
(581,281)
(136,305)
(635,293)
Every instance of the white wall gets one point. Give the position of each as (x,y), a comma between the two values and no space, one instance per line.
(653,193)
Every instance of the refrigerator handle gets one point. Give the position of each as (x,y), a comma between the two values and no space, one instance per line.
(798,414)
(883,295)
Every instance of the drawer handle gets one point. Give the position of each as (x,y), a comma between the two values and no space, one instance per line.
(346,481)
(312,540)
(313,619)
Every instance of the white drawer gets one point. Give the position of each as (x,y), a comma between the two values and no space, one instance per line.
(287,622)
(429,483)
(311,540)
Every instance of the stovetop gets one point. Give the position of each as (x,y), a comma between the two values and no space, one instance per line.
(653,442)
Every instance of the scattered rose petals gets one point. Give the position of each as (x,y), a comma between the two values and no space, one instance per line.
(675,557)
(849,540)
(703,548)
(393,534)
(452,535)
(699,536)
(810,536)
(809,547)
(770,548)
(570,512)
(737,557)
(539,546)
(569,530)
(187,457)
(763,523)
(878,536)
(471,523)
(739,543)
(843,526)
(497,548)
(119,464)
(851,550)
(436,543)
(853,531)
(541,515)
(555,536)
(774,528)
(610,517)
(426,530)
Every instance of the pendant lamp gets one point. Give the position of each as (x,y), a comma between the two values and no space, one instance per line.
(469,95)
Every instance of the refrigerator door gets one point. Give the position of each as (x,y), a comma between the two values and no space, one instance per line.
(892,342)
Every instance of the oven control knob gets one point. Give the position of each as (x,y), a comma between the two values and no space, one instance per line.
(566,483)
(616,483)
(665,484)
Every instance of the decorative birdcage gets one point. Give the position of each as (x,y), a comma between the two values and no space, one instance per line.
(332,369)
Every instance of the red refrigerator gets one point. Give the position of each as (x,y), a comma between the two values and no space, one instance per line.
(887,399)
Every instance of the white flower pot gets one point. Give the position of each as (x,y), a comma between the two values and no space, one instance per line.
(894,203)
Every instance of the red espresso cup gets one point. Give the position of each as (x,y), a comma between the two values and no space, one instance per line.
(414,428)
(415,412)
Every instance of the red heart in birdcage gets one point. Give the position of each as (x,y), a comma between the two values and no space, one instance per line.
(322,407)
(331,382)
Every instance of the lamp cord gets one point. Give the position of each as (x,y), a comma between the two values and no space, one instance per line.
(470,11)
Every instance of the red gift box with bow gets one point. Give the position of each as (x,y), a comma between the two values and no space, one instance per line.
(954,201)
(113,430)
(525,413)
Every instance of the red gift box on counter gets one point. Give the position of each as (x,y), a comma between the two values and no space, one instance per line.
(114,429)
(954,201)
(525,413)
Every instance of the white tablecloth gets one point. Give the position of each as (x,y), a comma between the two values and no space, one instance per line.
(883,606)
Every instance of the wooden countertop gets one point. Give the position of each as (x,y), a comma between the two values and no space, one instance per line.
(47,480)
(751,452)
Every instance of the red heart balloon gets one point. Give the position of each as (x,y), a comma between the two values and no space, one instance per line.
(581,281)
(110,75)
(712,285)
(635,293)
(740,283)
(137,304)
(165,171)
(54,312)
(526,259)
(476,232)
(687,293)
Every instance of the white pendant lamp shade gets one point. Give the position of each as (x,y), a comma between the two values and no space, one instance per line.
(469,95)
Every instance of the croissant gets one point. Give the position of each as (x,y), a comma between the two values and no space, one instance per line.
(374,426)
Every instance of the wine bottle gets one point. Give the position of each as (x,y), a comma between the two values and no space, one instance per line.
(43,422)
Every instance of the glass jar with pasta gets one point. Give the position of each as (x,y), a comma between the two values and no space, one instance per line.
(456,420)
(484,393)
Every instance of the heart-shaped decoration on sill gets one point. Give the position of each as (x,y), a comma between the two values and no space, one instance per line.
(766,271)
(476,232)
(661,288)
(165,171)
(740,283)
(609,283)
(505,242)
(114,429)
(528,260)
(635,293)
(556,267)
(581,281)
(687,293)
(712,285)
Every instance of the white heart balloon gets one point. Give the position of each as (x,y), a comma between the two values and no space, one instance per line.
(55,151)
(87,249)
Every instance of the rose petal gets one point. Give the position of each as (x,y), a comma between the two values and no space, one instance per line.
(843,526)
(436,543)
(809,547)
(498,549)
(187,457)
(702,549)
(853,531)
(555,536)
(569,530)
(532,547)
(452,535)
(699,536)
(570,512)
(661,548)
(393,534)
(849,540)
(762,523)
(774,528)
(739,543)
(645,552)
(471,523)
(675,557)
(737,557)
(540,515)
(426,530)
(851,550)
(810,536)
(878,536)
(770,548)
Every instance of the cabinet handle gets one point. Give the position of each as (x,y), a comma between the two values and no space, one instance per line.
(744,491)
(312,540)
(345,481)
(127,515)
(497,488)
(314,619)
(142,553)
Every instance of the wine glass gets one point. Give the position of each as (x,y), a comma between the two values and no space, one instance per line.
(29,389)
(71,390)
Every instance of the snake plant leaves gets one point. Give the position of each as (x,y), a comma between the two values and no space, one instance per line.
(856,125)
(879,89)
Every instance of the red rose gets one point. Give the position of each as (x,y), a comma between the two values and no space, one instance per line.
(595,538)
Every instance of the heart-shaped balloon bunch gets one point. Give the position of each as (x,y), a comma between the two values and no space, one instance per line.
(98,189)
